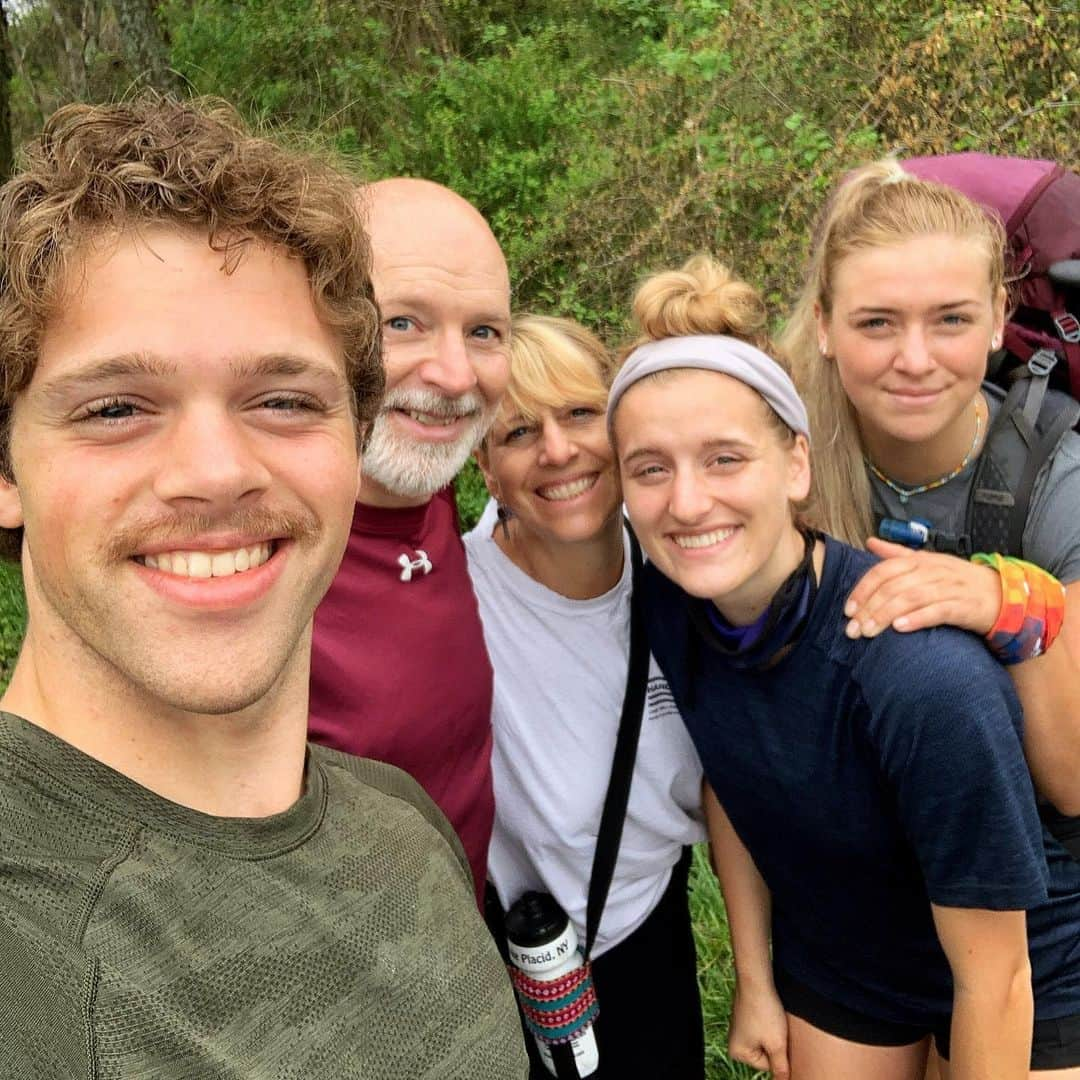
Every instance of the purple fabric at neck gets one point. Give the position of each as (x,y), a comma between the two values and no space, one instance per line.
(779,625)
(737,638)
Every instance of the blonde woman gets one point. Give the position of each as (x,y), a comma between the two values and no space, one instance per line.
(878,785)
(552,576)
(904,299)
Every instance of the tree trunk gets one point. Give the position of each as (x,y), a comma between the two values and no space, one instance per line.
(145,44)
(6,154)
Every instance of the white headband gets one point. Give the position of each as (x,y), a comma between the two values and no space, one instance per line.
(720,353)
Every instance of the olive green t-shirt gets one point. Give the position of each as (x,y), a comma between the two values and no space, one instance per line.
(138,938)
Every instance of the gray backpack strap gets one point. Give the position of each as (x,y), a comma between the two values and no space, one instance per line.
(1024,436)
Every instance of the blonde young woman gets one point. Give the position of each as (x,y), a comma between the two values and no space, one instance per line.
(878,785)
(903,301)
(552,577)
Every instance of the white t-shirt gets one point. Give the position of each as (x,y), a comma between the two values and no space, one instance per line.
(560,676)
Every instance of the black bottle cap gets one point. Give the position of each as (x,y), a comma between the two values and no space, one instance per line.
(535,919)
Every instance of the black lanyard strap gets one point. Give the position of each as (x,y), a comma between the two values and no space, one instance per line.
(622,766)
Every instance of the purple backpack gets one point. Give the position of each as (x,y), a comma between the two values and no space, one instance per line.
(1038,202)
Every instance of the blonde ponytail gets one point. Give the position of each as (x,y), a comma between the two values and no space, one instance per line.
(839,501)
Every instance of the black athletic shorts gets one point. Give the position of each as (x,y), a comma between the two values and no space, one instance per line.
(1066,830)
(1055,1043)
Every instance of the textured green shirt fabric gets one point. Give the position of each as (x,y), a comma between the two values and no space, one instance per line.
(138,938)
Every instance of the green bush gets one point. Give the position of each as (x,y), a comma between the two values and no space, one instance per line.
(12,618)
(472,495)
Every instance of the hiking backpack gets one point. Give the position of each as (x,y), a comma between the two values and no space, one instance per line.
(1038,202)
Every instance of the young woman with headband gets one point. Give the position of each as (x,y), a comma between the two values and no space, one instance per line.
(904,299)
(878,785)
(552,575)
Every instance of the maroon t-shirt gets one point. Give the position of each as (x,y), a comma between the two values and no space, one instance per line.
(399,671)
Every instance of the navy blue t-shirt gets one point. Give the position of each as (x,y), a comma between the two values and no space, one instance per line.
(868,779)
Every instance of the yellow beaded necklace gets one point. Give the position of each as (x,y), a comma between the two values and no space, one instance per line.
(905,493)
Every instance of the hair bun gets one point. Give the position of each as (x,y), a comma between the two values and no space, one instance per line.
(701,297)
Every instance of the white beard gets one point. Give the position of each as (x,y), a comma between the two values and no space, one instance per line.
(414,469)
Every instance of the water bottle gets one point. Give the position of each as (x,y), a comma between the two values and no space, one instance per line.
(916,533)
(553,984)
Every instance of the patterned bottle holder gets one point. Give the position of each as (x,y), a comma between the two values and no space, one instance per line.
(554,985)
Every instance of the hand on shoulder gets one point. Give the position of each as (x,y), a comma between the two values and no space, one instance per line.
(912,590)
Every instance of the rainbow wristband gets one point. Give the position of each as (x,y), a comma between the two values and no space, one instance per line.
(1032,609)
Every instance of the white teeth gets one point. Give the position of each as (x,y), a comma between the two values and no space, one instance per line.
(558,492)
(703,539)
(428,420)
(205,564)
(223,564)
(200,565)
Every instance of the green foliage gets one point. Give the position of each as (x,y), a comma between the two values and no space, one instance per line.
(608,138)
(12,618)
(471,495)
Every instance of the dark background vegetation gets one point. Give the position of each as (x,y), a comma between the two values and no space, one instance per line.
(602,138)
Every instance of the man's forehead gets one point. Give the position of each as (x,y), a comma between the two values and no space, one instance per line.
(153,304)
(415,276)
(421,229)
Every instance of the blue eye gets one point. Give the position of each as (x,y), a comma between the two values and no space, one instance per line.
(399,323)
(290,403)
(118,410)
(486,333)
(648,471)
(111,410)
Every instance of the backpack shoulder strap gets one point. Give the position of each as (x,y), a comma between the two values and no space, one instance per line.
(1027,431)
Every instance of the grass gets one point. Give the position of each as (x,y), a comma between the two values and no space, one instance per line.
(707,908)
(716,976)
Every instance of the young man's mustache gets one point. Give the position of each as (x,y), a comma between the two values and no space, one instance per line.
(255,523)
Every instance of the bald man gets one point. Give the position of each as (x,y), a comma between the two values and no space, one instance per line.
(399,670)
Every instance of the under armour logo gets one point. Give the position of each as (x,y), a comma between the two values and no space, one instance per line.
(421,562)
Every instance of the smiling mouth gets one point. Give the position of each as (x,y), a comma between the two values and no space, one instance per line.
(703,540)
(571,489)
(912,393)
(207,564)
(433,419)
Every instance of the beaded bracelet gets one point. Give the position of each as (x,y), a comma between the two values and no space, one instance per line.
(1032,609)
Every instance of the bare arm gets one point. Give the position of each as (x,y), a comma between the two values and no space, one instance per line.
(993,1011)
(758,1034)
(911,590)
(1049,689)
